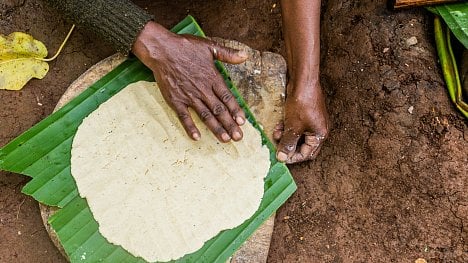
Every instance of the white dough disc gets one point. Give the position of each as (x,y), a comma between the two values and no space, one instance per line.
(153,190)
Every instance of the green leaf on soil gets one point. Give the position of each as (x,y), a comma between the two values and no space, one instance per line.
(456,18)
(449,65)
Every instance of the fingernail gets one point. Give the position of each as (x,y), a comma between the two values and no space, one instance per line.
(277,135)
(225,137)
(282,157)
(196,136)
(236,136)
(243,54)
(240,120)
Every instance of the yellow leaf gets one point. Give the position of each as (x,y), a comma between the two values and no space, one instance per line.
(20,60)
(21,45)
(15,73)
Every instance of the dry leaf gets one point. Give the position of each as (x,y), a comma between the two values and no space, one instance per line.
(20,56)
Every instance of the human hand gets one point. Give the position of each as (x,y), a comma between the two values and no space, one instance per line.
(184,68)
(305,116)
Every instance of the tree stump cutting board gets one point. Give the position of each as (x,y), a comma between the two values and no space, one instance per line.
(261,80)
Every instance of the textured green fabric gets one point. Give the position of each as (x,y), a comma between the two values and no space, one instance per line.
(116,21)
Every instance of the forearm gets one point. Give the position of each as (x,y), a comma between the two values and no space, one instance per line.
(301,26)
(116,21)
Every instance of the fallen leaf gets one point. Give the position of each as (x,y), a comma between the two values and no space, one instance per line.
(20,60)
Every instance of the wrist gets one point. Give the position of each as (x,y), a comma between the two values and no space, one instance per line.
(151,38)
(303,84)
(304,71)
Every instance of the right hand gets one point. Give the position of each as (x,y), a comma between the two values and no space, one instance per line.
(305,116)
(183,66)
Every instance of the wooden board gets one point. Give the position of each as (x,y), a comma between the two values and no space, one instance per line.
(413,3)
(261,80)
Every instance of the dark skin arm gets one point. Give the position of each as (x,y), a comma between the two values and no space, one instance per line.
(184,69)
(305,109)
(183,66)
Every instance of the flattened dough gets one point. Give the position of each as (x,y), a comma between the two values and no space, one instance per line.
(152,189)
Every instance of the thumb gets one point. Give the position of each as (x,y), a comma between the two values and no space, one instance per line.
(228,55)
(287,145)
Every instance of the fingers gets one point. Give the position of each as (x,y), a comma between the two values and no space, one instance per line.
(308,150)
(287,145)
(229,55)
(223,115)
(215,116)
(207,116)
(187,121)
(226,97)
(278,131)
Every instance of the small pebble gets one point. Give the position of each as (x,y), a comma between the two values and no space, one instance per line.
(410,109)
(420,260)
(411,41)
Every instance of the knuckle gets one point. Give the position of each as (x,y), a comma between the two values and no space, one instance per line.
(226,97)
(228,51)
(183,116)
(231,126)
(205,115)
(217,86)
(218,130)
(219,109)
(236,111)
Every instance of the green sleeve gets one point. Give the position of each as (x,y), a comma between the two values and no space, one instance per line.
(117,22)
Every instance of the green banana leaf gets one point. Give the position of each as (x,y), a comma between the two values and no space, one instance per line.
(43,153)
(449,65)
(456,18)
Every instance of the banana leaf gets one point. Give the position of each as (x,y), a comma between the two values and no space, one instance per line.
(449,65)
(456,18)
(43,153)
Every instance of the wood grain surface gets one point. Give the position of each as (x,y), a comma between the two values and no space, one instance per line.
(413,3)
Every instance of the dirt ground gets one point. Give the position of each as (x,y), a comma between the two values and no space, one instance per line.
(391,182)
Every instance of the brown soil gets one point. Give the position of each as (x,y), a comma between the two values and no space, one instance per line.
(389,185)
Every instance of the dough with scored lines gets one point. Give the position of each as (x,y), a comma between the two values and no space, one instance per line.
(153,190)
